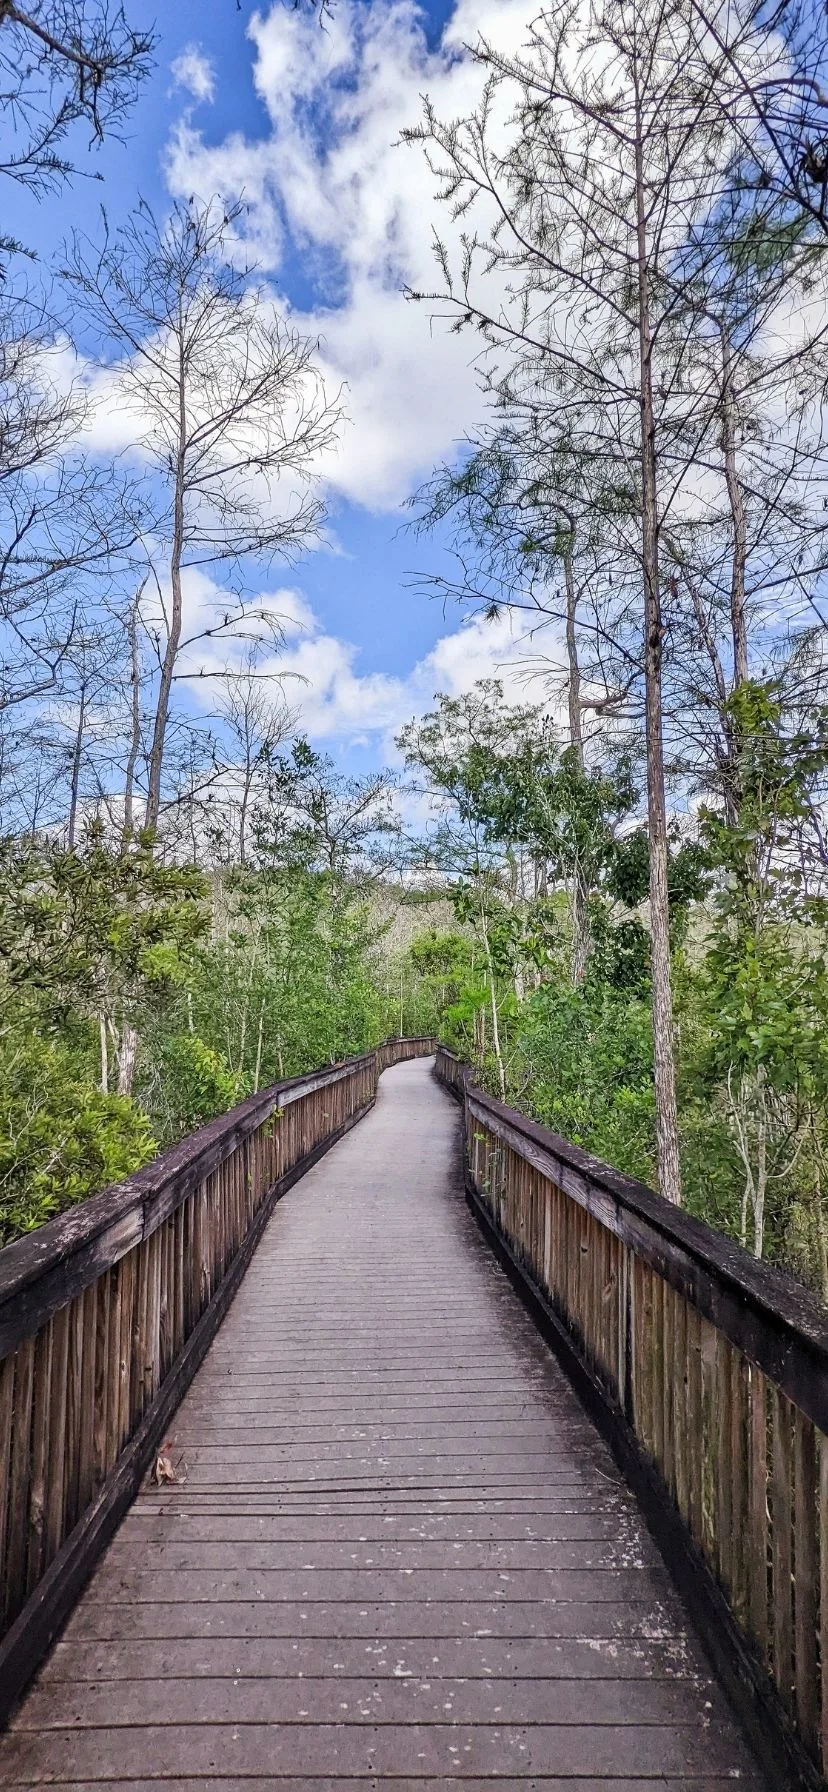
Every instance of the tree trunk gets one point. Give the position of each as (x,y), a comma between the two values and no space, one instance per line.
(243,808)
(74,786)
(501,1075)
(737,512)
(761,1179)
(159,733)
(259,1045)
(135,715)
(104,1055)
(576,737)
(579,906)
(127,1053)
(579,903)
(667,1145)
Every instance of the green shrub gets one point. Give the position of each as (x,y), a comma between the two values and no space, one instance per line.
(61,1140)
(197,1083)
(584,1067)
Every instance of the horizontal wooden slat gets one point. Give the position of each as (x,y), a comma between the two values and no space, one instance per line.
(33,1627)
(775,1323)
(715,1345)
(460,1591)
(44,1270)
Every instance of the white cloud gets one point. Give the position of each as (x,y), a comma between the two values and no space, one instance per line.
(339,703)
(334,700)
(331,179)
(194,71)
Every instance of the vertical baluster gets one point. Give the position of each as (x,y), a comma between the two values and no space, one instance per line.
(111,1441)
(86,1444)
(41,1406)
(657,1347)
(668,1387)
(739,1403)
(695,1425)
(625,1325)
(126,1348)
(103,1375)
(54,1522)
(643,1360)
(178,1292)
(605,1304)
(198,1268)
(724,1475)
(823,1593)
(74,1403)
(152,1357)
(683,1435)
(781,1535)
(6,1411)
(709,1443)
(758,1512)
(139,1335)
(20,1474)
(806,1570)
(165,1316)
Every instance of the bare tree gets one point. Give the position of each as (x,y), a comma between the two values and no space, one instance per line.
(773,92)
(67,523)
(134,737)
(257,720)
(524,512)
(63,520)
(229,407)
(750,559)
(578,274)
(62,63)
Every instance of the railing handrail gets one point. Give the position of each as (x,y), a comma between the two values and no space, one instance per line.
(73,1249)
(106,1313)
(706,1370)
(768,1315)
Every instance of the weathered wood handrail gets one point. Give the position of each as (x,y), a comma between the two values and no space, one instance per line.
(709,1374)
(398,1051)
(105,1314)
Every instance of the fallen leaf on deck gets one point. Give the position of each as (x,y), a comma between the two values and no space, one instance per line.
(164,1470)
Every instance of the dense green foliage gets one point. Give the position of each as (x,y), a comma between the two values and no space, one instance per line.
(749,929)
(142,998)
(61,1139)
(617,907)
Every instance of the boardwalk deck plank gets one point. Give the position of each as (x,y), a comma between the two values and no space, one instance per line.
(398,1554)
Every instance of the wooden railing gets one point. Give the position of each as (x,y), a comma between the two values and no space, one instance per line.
(709,1374)
(398,1051)
(106,1312)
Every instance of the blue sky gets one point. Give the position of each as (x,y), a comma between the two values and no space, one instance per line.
(305,121)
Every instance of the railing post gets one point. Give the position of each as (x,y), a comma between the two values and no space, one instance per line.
(678,1370)
(105,1314)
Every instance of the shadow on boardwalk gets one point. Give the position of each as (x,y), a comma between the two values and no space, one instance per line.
(400,1552)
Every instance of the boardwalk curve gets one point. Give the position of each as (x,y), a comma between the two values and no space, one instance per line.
(399,1552)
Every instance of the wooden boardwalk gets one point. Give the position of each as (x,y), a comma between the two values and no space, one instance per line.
(400,1555)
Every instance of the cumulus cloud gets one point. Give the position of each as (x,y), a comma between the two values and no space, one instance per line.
(331,182)
(194,71)
(334,700)
(337,702)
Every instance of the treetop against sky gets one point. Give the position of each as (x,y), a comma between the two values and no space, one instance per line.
(304,122)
